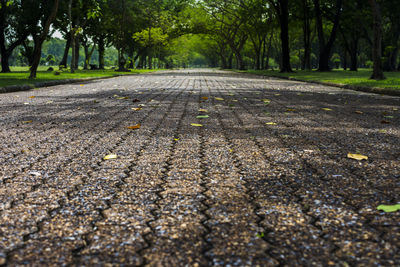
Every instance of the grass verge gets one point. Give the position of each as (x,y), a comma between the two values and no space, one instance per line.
(19,75)
(349,79)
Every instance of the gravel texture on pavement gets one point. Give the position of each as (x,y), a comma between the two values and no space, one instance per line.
(264,180)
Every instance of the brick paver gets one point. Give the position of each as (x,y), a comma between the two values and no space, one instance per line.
(265,182)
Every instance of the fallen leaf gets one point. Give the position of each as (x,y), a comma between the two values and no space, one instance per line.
(231,150)
(277,94)
(32,96)
(327,109)
(389,208)
(382,131)
(204,98)
(231,94)
(136,109)
(197,125)
(395,109)
(389,117)
(299,94)
(176,139)
(123,97)
(271,123)
(385,122)
(357,156)
(235,100)
(219,99)
(358,112)
(290,109)
(203,110)
(111,156)
(134,127)
(81,85)
(266,100)
(26,122)
(203,117)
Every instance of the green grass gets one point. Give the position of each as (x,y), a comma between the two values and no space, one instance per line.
(354,78)
(19,75)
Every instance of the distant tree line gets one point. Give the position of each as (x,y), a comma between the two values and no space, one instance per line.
(259,34)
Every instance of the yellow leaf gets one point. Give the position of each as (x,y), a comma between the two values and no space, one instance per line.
(81,85)
(197,125)
(359,112)
(32,96)
(176,139)
(136,109)
(111,156)
(231,150)
(266,100)
(122,98)
(203,110)
(134,127)
(327,109)
(270,123)
(204,98)
(26,122)
(357,156)
(277,94)
(219,99)
(291,109)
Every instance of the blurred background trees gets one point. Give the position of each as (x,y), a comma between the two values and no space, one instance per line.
(241,34)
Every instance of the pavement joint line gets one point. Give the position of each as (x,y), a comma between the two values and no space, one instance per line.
(160,187)
(249,192)
(204,184)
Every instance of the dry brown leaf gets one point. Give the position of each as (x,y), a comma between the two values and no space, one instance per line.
(26,122)
(357,156)
(134,127)
(204,98)
(111,156)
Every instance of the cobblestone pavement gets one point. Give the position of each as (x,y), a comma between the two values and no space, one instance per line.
(265,182)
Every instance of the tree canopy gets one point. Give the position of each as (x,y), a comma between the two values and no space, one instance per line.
(242,34)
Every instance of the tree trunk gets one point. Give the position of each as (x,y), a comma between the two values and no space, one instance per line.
(283,14)
(354,55)
(40,39)
(306,64)
(325,48)
(64,60)
(377,73)
(5,67)
(101,49)
(77,46)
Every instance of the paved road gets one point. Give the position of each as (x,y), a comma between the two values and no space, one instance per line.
(266,181)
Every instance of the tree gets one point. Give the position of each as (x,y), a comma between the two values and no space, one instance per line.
(47,13)
(12,30)
(325,47)
(377,73)
(282,11)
